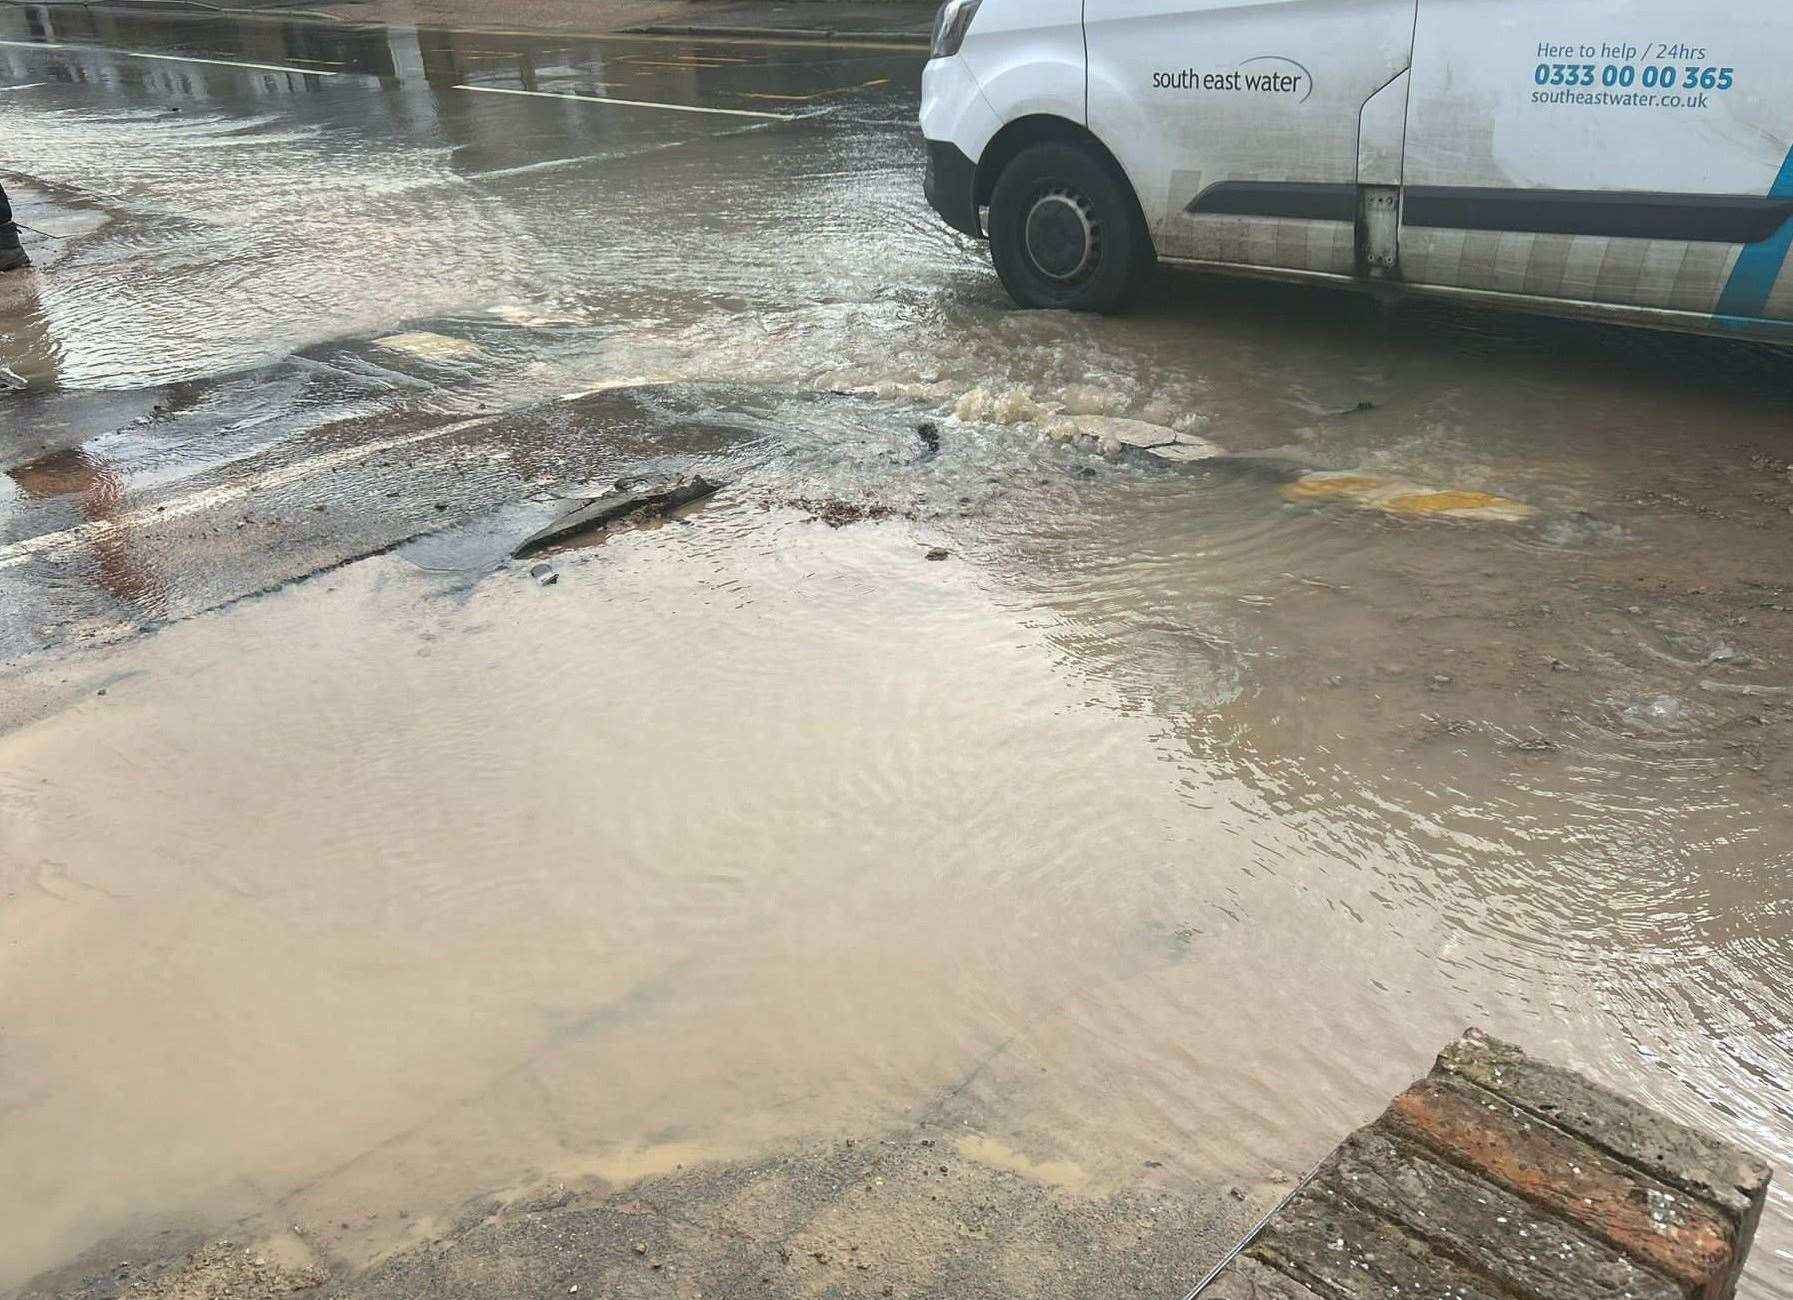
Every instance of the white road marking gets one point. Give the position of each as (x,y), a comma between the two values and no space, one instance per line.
(632,103)
(525,169)
(170,58)
(228,63)
(612,385)
(211,498)
(30,85)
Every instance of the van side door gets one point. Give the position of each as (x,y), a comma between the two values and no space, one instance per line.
(1634,154)
(1238,120)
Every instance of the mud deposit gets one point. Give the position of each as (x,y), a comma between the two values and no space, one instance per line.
(554,913)
(905,1215)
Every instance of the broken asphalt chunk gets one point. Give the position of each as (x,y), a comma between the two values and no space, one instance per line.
(929,433)
(600,512)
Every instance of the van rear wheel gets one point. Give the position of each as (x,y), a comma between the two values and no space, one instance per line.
(1065,231)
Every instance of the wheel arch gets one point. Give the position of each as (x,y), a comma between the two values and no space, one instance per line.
(1043,128)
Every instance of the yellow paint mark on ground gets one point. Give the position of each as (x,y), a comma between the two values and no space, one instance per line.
(1315,487)
(431,347)
(1398,497)
(1452,503)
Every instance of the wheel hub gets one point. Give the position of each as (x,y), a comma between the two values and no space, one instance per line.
(1062,237)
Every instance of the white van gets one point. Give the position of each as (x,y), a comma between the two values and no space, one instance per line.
(1624,159)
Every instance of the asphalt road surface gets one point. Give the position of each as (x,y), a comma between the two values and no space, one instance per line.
(280,197)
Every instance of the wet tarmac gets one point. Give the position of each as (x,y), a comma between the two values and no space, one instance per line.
(1303,681)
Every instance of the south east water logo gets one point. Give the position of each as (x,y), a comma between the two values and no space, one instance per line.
(1267,74)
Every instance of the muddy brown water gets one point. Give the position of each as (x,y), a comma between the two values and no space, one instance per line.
(1182,813)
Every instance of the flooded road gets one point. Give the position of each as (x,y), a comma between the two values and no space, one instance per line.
(1302,682)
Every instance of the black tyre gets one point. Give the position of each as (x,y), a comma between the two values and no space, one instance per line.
(1066,231)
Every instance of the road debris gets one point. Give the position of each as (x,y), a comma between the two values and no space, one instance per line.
(1534,745)
(625,503)
(221,1269)
(1744,689)
(837,513)
(929,433)
(430,347)
(1113,435)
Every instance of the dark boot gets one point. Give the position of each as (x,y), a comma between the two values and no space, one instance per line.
(12,256)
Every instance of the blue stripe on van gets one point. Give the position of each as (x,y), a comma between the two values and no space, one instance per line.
(1759,266)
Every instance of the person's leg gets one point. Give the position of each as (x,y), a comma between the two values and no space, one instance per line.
(12,256)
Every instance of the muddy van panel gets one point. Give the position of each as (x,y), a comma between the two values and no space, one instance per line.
(1239,124)
(1557,153)
(1630,162)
